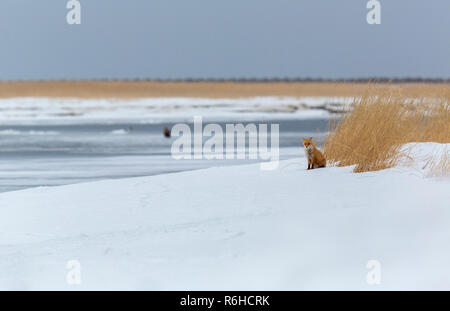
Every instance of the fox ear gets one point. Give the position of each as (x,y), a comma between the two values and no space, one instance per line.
(311,138)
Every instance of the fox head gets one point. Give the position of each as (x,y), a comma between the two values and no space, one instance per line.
(307,142)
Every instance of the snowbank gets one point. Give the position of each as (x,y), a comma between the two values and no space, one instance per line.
(231,228)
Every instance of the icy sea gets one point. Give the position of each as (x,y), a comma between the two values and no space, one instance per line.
(49,155)
(49,142)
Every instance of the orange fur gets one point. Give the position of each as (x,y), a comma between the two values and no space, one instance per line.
(315,157)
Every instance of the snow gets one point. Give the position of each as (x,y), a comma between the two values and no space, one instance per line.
(232,228)
(422,157)
(31,133)
(149,110)
(119,132)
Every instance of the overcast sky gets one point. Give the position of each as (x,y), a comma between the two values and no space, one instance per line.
(223,39)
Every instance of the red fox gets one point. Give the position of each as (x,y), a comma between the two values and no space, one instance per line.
(315,157)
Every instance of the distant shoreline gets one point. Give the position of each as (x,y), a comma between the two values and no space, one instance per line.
(251,80)
(128,89)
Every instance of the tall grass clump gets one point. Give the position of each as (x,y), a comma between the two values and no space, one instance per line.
(371,131)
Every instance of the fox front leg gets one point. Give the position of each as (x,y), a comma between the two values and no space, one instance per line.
(309,164)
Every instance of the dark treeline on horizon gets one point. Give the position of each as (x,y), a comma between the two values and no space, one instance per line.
(306,80)
(256,80)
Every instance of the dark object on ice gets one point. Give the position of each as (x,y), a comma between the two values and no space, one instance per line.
(167,132)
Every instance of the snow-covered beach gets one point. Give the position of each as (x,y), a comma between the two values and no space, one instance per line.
(235,227)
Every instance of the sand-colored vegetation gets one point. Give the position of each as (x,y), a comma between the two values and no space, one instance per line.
(141,89)
(371,132)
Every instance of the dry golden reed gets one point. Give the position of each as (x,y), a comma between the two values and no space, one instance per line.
(370,133)
(211,89)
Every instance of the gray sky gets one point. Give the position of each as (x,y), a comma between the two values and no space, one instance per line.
(223,39)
